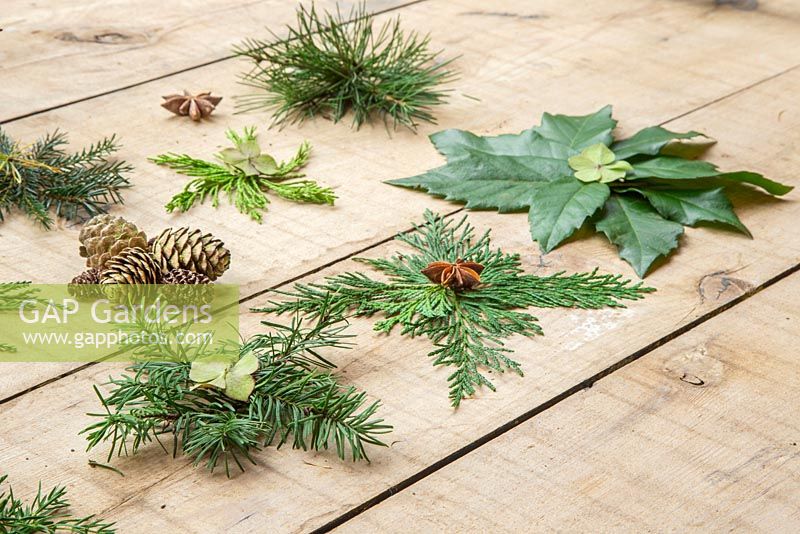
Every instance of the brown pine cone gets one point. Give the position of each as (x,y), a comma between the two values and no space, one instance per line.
(105,236)
(132,266)
(192,250)
(89,276)
(184,277)
(83,288)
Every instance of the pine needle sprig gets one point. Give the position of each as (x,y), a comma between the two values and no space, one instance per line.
(467,328)
(245,188)
(332,63)
(295,400)
(12,295)
(44,177)
(46,513)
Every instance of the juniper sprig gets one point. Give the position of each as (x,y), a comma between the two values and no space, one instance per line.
(43,177)
(46,513)
(331,63)
(295,399)
(466,327)
(245,175)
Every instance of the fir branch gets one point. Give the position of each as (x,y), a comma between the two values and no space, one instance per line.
(294,401)
(46,513)
(467,327)
(44,177)
(247,190)
(331,63)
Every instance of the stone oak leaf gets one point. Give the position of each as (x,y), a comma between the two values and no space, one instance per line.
(569,171)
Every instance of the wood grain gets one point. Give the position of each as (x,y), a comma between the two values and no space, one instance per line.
(558,60)
(698,436)
(714,267)
(569,61)
(57,52)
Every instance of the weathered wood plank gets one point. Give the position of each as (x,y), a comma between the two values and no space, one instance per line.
(699,435)
(559,60)
(296,491)
(287,493)
(712,269)
(57,52)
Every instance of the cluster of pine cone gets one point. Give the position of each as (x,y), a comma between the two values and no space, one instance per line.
(117,252)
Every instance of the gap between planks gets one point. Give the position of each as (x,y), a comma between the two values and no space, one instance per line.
(407,230)
(550,403)
(174,73)
(554,400)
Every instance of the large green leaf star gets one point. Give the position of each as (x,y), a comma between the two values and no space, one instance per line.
(570,171)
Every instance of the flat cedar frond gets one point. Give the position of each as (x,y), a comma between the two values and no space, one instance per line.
(246,180)
(47,512)
(44,177)
(332,63)
(295,400)
(467,327)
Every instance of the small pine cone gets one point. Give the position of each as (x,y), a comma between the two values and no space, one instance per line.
(132,266)
(105,236)
(192,250)
(89,276)
(186,287)
(78,287)
(184,277)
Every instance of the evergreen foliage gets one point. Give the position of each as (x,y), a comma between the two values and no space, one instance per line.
(43,177)
(467,327)
(47,512)
(296,400)
(332,63)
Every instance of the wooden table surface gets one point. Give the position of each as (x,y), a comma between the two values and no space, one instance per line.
(608,431)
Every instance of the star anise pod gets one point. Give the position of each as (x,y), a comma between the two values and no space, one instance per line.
(197,106)
(459,275)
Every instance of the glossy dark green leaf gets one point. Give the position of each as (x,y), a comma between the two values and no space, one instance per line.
(691,206)
(578,131)
(640,233)
(648,141)
(561,208)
